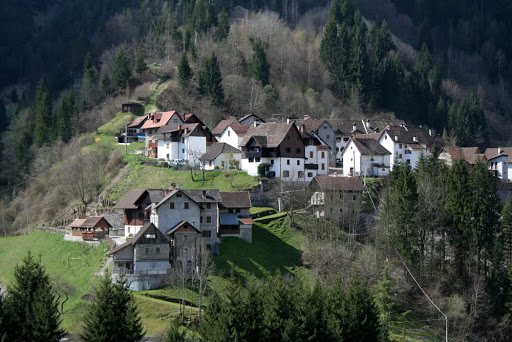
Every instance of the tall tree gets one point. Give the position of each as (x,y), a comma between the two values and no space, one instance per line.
(42,112)
(359,64)
(506,224)
(3,116)
(259,68)
(122,71)
(140,65)
(67,111)
(113,315)
(210,80)
(31,308)
(184,70)
(223,26)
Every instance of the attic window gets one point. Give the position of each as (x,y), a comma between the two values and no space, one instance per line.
(178,195)
(150,236)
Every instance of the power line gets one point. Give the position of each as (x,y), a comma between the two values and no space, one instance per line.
(406,267)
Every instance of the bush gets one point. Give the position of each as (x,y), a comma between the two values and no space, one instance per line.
(261,170)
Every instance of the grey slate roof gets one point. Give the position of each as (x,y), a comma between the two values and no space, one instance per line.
(137,236)
(216,149)
(269,134)
(238,199)
(406,136)
(368,145)
(221,126)
(129,200)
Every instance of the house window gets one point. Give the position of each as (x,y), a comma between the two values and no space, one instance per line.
(400,155)
(287,161)
(323,154)
(408,162)
(210,163)
(208,205)
(167,155)
(238,210)
(354,197)
(287,137)
(385,137)
(146,251)
(178,195)
(208,219)
(201,219)
(251,160)
(171,205)
(208,247)
(345,139)
(207,233)
(229,133)
(222,163)
(310,154)
(328,136)
(288,150)
(257,159)
(286,173)
(185,238)
(272,162)
(323,166)
(325,127)
(157,250)
(182,140)
(310,174)
(182,150)
(301,174)
(297,150)
(298,162)
(399,145)
(185,205)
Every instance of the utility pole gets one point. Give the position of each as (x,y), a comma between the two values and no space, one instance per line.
(125,138)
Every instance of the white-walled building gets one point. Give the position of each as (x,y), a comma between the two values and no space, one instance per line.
(497,159)
(406,144)
(233,135)
(364,156)
(221,156)
(323,131)
(153,123)
(278,146)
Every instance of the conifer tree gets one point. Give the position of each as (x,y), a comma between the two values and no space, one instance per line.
(259,68)
(113,315)
(184,70)
(506,224)
(31,308)
(328,46)
(210,81)
(359,62)
(68,109)
(393,81)
(223,27)
(122,71)
(140,65)
(173,333)
(3,117)
(42,112)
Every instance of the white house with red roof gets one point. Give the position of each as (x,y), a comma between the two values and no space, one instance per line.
(153,123)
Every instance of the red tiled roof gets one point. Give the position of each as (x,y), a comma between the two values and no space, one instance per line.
(156,120)
(239,129)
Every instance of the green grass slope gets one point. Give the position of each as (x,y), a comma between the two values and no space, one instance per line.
(74,262)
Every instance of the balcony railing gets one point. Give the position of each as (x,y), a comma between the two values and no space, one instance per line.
(311,166)
(253,154)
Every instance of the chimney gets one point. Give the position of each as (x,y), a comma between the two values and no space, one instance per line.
(354,127)
(179,126)
(430,132)
(204,194)
(500,151)
(166,192)
(367,123)
(186,130)
(288,120)
(302,128)
(396,138)
(255,123)
(414,139)
(173,186)
(306,116)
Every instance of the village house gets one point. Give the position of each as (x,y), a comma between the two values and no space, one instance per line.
(278,146)
(323,131)
(250,119)
(221,126)
(182,141)
(345,129)
(317,155)
(364,156)
(235,218)
(90,228)
(133,132)
(337,199)
(497,160)
(153,123)
(132,107)
(233,135)
(471,155)
(407,144)
(221,156)
(144,259)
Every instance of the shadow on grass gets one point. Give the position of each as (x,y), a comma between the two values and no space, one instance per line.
(267,254)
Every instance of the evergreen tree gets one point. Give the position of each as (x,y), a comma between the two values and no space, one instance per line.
(113,315)
(3,117)
(393,82)
(506,225)
(210,80)
(328,45)
(184,70)
(31,308)
(122,71)
(259,68)
(140,65)
(223,27)
(384,298)
(173,333)
(14,95)
(42,112)
(68,110)
(382,42)
(359,62)
(203,16)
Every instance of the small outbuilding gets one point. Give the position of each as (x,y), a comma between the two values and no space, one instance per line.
(90,228)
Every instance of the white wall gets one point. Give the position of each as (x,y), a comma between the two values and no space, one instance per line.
(194,148)
(351,159)
(230,137)
(279,166)
(165,218)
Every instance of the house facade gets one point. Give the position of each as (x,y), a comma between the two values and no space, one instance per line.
(181,141)
(278,146)
(338,199)
(90,228)
(221,156)
(153,123)
(233,135)
(364,156)
(323,131)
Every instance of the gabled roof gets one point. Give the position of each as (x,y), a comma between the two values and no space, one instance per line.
(245,117)
(311,125)
(240,130)
(346,127)
(236,199)
(495,152)
(216,149)
(367,145)
(469,154)
(142,231)
(130,199)
(203,196)
(184,224)
(77,223)
(409,135)
(159,119)
(269,134)
(92,222)
(221,126)
(139,121)
(327,183)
